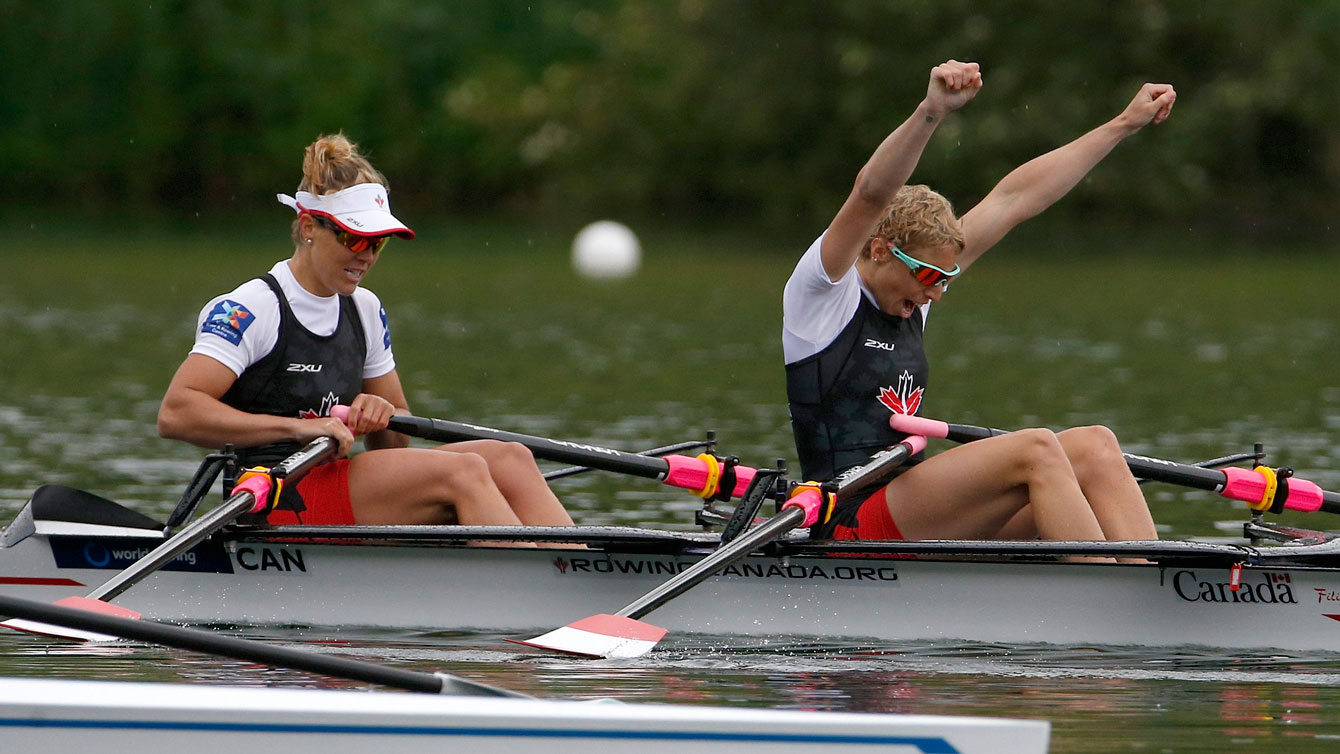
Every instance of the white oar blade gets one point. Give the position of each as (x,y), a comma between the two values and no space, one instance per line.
(612,636)
(67,632)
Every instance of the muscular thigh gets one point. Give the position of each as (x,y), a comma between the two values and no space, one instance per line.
(968,492)
(396,485)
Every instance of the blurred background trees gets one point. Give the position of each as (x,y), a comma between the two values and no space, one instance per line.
(713,111)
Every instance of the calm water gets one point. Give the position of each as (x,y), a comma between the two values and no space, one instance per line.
(1187,355)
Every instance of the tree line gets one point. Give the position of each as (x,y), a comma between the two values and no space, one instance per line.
(707,110)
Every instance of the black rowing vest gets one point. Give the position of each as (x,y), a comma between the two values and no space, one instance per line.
(841,398)
(303,376)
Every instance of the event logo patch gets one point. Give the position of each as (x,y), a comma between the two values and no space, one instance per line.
(903,399)
(118,553)
(228,320)
(386,329)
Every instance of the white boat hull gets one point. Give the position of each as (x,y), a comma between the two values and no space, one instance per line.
(415,583)
(39,715)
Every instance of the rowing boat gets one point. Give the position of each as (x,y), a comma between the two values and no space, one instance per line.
(1278,589)
(448,712)
(119,716)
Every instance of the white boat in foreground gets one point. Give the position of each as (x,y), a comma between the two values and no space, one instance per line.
(1284,596)
(115,716)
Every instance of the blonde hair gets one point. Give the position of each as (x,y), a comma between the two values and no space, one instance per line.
(332,163)
(918,218)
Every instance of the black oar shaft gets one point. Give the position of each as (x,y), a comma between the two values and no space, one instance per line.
(562,451)
(727,554)
(664,450)
(178,543)
(1156,469)
(294,466)
(210,643)
(1171,472)
(875,473)
(789,518)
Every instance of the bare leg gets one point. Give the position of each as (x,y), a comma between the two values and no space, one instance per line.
(974,491)
(1021,527)
(513,469)
(420,486)
(1107,483)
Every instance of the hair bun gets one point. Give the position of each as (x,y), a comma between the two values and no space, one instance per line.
(332,163)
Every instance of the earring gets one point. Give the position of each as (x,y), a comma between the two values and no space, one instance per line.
(309,240)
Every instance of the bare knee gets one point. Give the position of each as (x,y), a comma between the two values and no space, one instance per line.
(514,455)
(1037,450)
(1092,450)
(460,475)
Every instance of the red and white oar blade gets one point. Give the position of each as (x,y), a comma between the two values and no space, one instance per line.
(612,636)
(67,632)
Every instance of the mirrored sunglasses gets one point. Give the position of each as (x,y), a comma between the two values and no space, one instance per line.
(925,272)
(353,241)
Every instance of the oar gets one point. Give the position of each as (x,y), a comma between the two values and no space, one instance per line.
(249,496)
(196,640)
(622,635)
(705,476)
(1261,488)
(662,451)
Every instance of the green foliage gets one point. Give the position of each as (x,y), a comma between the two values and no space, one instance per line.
(708,110)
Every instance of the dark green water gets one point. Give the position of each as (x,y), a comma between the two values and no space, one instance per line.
(1187,351)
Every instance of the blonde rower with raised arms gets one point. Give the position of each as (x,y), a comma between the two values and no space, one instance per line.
(274,355)
(855,309)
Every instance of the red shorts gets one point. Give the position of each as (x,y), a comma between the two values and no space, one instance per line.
(325,492)
(873,521)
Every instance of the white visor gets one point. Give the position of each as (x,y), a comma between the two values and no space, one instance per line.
(362,209)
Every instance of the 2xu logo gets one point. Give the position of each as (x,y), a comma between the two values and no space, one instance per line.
(312,368)
(872,343)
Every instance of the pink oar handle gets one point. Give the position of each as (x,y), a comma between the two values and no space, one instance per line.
(259,486)
(1249,486)
(916,443)
(808,499)
(695,474)
(340,412)
(919,425)
(1304,496)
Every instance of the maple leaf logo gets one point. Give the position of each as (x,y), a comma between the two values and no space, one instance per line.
(903,399)
(331,399)
(561,565)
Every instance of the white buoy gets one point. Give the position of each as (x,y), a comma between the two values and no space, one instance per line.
(606,249)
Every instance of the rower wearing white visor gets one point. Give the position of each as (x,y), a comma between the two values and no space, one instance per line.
(854,312)
(272,357)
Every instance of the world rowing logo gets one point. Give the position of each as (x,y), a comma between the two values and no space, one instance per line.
(228,320)
(903,399)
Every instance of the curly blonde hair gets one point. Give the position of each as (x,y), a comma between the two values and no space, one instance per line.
(918,218)
(332,163)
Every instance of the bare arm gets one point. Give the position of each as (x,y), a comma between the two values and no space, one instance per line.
(1041,182)
(952,85)
(192,411)
(377,413)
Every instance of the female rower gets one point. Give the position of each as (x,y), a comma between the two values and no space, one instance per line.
(272,356)
(854,312)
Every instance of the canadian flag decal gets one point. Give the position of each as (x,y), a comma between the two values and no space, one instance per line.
(903,399)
